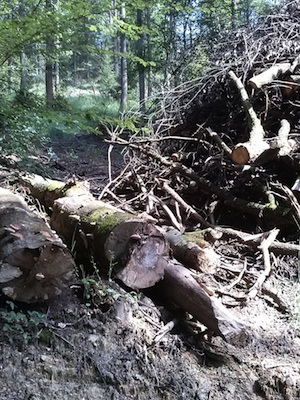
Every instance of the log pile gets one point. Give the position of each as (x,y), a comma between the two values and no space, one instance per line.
(225,151)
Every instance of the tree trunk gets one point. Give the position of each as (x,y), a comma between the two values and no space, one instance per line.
(123,72)
(141,68)
(49,69)
(23,80)
(10,74)
(49,82)
(74,68)
(35,264)
(233,7)
(57,76)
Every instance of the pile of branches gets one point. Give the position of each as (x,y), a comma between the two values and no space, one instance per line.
(224,149)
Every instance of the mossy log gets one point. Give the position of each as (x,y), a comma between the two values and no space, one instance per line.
(193,250)
(136,252)
(133,248)
(34,263)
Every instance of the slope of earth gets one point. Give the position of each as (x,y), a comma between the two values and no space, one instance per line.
(116,348)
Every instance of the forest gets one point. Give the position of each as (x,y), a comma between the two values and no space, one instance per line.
(149,199)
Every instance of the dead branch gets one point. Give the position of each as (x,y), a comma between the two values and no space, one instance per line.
(264,247)
(223,146)
(193,250)
(254,241)
(187,208)
(257,209)
(257,132)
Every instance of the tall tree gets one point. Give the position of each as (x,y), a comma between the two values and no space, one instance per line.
(23,67)
(49,67)
(141,66)
(123,72)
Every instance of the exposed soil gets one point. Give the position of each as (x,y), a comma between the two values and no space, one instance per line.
(109,350)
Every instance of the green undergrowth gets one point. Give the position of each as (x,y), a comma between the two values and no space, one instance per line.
(23,326)
(102,292)
(27,124)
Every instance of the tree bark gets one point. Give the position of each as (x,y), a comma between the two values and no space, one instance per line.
(141,68)
(123,72)
(192,250)
(187,293)
(49,68)
(35,264)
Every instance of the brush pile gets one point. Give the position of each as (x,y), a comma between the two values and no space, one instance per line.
(223,151)
(226,143)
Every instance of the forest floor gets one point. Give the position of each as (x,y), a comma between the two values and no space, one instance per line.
(112,351)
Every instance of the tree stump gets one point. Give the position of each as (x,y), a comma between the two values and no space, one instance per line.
(34,263)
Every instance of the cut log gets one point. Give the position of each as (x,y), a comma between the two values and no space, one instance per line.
(133,248)
(185,292)
(258,81)
(35,264)
(193,251)
(260,151)
(257,149)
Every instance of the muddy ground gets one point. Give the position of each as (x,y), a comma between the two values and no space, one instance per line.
(106,346)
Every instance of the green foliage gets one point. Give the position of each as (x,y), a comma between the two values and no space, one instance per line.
(19,326)
(22,125)
(97,292)
(84,38)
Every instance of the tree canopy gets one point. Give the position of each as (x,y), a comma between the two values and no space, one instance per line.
(83,39)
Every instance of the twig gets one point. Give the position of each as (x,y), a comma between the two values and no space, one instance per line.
(152,198)
(111,182)
(188,209)
(122,203)
(293,202)
(113,134)
(264,246)
(233,296)
(275,297)
(170,214)
(254,240)
(149,319)
(223,146)
(152,140)
(149,195)
(230,200)
(166,329)
(62,338)
(239,278)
